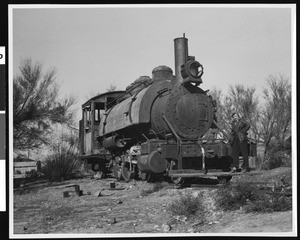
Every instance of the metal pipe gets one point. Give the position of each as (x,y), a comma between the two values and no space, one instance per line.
(181,57)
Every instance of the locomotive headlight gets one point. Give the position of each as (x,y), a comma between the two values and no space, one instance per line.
(192,71)
(195,69)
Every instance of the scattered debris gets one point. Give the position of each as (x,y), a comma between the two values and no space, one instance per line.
(98,193)
(112,220)
(180,218)
(166,227)
(116,188)
(197,223)
(112,185)
(66,194)
(76,190)
(49,218)
(98,175)
(195,194)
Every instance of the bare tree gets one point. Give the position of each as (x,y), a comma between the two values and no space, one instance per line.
(241,100)
(276,114)
(111,88)
(245,103)
(36,105)
(94,94)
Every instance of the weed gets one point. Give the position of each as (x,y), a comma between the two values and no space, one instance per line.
(233,197)
(187,205)
(252,199)
(273,202)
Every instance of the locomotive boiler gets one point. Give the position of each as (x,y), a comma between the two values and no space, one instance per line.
(156,127)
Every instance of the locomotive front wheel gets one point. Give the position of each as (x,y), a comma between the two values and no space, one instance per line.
(126,173)
(176,180)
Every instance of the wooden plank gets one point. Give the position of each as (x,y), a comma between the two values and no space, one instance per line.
(25,164)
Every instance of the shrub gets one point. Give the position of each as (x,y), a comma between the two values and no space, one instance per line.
(32,175)
(273,202)
(187,205)
(276,157)
(61,165)
(252,199)
(233,197)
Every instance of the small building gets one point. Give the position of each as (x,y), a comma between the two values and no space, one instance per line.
(23,165)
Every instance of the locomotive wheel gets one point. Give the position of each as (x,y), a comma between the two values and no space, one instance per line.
(96,167)
(177,180)
(224,180)
(126,173)
(145,176)
(226,164)
(117,171)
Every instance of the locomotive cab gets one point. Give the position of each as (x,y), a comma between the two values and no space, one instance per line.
(92,112)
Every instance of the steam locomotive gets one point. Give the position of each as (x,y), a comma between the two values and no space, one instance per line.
(156,127)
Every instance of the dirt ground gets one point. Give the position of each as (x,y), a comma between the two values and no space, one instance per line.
(133,208)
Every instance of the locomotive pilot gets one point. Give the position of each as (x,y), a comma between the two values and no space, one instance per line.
(239,143)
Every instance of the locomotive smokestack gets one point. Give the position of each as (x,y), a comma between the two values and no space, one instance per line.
(181,57)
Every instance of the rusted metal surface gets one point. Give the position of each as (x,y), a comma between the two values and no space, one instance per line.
(153,162)
(165,116)
(181,56)
(190,111)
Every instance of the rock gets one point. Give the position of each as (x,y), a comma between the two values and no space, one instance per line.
(113,220)
(218,215)
(98,193)
(155,226)
(49,218)
(119,201)
(166,227)
(190,230)
(197,223)
(98,175)
(195,194)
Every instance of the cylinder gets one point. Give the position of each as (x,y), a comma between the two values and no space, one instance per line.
(181,57)
(154,162)
(113,142)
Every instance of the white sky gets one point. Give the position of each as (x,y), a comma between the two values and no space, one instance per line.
(92,48)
